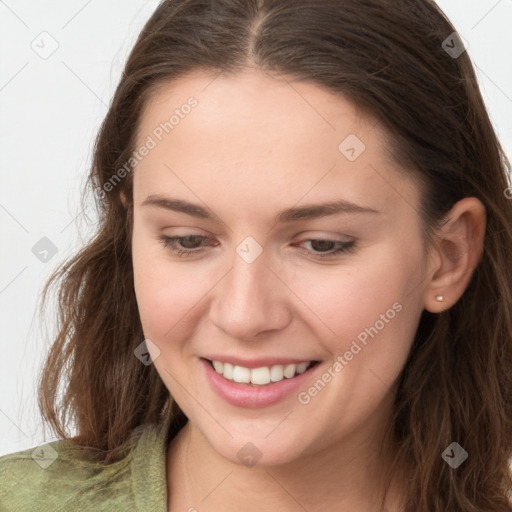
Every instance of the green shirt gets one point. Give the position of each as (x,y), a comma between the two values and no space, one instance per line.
(54,478)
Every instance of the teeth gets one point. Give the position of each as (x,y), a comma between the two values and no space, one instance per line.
(227,371)
(301,368)
(219,367)
(289,370)
(260,376)
(276,373)
(241,374)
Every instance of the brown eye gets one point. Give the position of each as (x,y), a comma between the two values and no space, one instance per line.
(320,247)
(323,245)
(190,242)
(187,244)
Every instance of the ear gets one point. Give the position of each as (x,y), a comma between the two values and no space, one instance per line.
(122,196)
(456,254)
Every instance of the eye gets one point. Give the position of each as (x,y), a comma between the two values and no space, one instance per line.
(337,247)
(169,242)
(193,244)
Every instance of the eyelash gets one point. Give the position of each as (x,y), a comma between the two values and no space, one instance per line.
(343,248)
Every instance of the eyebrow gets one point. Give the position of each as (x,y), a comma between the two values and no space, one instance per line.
(311,211)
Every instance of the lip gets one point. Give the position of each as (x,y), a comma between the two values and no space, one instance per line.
(256,363)
(250,396)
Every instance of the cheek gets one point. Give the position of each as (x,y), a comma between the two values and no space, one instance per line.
(350,299)
(371,309)
(168,293)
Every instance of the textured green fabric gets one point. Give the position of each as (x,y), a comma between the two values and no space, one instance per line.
(71,483)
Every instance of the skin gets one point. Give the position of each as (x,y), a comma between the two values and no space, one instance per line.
(254,145)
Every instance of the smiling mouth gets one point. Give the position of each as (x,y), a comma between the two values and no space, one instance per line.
(262,376)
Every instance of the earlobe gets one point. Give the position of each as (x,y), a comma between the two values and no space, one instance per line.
(459,251)
(122,196)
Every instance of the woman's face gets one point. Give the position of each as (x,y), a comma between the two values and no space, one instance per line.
(242,172)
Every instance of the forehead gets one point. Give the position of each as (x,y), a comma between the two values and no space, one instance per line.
(265,137)
(253,100)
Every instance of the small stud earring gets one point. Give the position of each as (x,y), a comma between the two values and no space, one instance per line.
(440,298)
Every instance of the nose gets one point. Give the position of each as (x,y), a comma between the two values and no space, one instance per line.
(250,299)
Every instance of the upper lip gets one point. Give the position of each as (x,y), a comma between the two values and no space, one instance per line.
(258,362)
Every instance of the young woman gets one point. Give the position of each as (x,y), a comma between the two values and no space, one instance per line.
(299,295)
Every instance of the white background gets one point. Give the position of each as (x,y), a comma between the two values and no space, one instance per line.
(50,111)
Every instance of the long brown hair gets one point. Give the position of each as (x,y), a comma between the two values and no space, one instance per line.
(390,59)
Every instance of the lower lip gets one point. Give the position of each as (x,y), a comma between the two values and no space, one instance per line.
(253,397)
